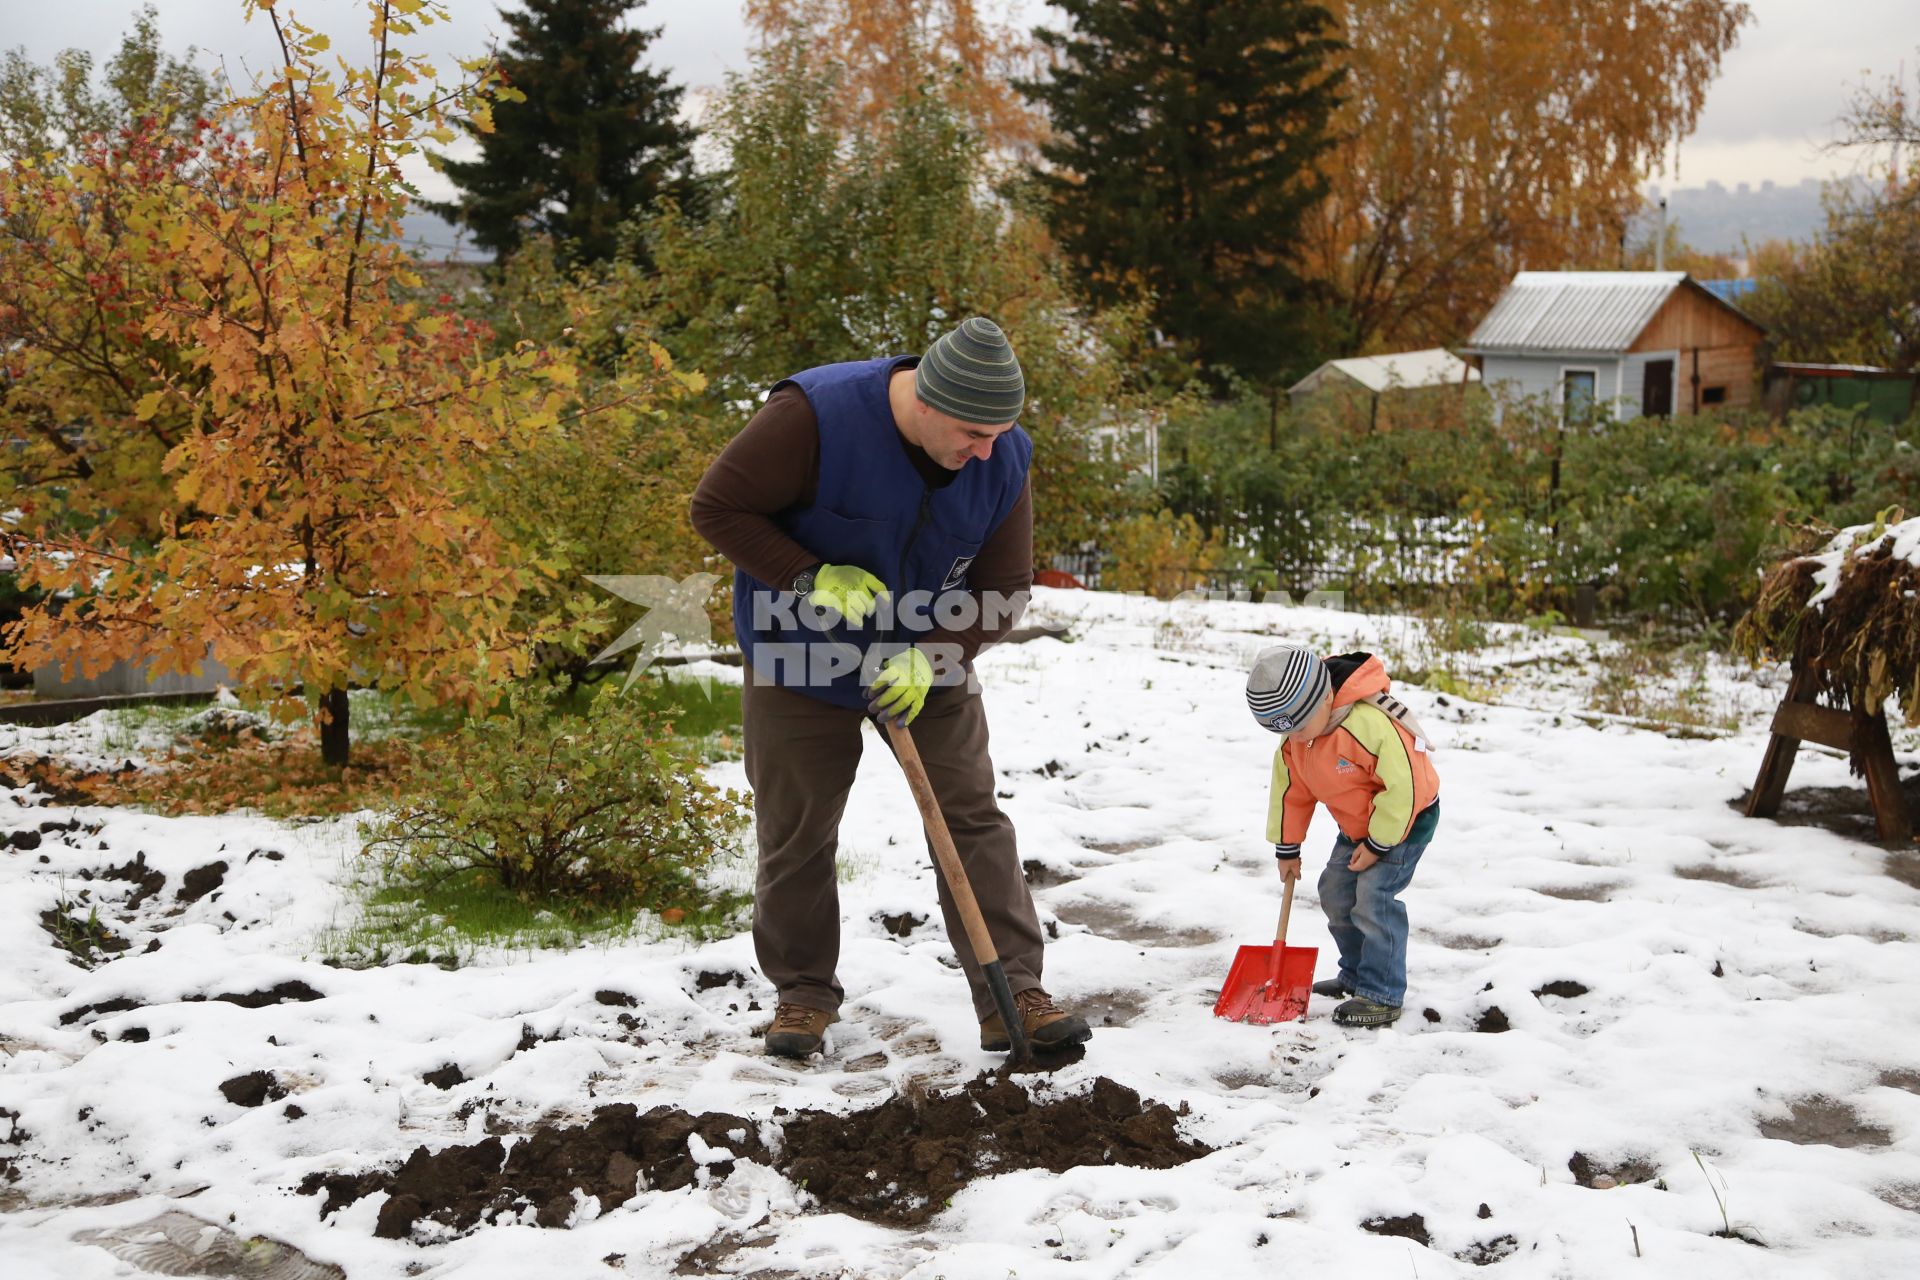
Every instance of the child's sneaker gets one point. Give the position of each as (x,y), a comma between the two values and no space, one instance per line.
(1331,988)
(1362,1012)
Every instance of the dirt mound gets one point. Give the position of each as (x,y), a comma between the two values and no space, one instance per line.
(201,881)
(1601,1176)
(15,1139)
(147,880)
(254,1089)
(900,1162)
(607,1158)
(1412,1226)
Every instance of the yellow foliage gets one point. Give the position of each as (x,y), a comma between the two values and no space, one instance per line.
(283,470)
(1161,554)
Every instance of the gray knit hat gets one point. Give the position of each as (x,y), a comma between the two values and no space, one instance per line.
(971,374)
(1285,686)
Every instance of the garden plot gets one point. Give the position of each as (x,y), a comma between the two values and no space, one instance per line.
(1637,1020)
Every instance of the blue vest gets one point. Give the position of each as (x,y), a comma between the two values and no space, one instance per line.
(871,509)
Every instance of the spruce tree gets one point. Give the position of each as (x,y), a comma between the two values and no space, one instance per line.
(595,142)
(1185,138)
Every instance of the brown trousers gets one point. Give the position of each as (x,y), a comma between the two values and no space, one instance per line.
(801,757)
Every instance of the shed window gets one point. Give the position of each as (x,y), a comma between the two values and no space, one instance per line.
(1713,395)
(1577,393)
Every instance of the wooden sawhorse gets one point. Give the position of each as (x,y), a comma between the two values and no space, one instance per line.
(1864,737)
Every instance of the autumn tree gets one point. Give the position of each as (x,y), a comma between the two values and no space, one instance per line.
(1852,295)
(320,431)
(881,50)
(1479,138)
(1884,118)
(72,359)
(823,247)
(47,112)
(1182,162)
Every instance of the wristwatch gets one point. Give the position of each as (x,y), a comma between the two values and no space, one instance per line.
(803,581)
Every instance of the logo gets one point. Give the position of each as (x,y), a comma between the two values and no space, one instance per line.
(1345,765)
(676,616)
(957,574)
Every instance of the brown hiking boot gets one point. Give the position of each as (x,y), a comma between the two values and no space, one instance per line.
(798,1031)
(1048,1026)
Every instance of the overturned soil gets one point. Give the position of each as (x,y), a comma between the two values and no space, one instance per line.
(1410,1226)
(898,1163)
(609,1159)
(1600,1175)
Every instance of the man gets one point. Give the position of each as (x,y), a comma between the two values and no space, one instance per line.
(881,527)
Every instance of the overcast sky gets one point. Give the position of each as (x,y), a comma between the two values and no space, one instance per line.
(1775,103)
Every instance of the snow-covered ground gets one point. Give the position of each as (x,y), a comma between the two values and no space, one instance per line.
(1746,1033)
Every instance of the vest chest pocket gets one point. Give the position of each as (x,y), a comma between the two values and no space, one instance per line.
(852,540)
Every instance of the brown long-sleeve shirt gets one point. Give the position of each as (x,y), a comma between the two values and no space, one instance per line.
(773,465)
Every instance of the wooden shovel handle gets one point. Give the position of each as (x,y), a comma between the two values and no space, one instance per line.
(1286,909)
(944,854)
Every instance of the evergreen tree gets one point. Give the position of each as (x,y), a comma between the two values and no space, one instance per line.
(595,141)
(1186,134)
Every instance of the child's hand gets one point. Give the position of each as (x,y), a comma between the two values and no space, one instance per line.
(1289,869)
(1362,858)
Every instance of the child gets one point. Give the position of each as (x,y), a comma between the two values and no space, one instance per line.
(1350,746)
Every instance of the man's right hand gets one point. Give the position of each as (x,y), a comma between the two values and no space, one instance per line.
(1289,869)
(848,590)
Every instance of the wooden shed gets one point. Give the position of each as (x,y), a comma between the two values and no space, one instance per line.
(1619,343)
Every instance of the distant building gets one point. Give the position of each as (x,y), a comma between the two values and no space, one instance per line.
(1868,391)
(1389,375)
(1617,343)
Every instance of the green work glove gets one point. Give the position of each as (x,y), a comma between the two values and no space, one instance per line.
(846,589)
(900,689)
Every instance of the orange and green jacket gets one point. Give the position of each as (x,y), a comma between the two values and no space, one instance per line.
(1370,770)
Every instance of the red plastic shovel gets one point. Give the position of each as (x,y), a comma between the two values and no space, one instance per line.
(1269,984)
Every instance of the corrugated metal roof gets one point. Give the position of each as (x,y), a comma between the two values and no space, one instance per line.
(1587,311)
(1434,367)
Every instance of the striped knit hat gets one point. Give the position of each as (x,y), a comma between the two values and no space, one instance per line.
(971,374)
(1285,686)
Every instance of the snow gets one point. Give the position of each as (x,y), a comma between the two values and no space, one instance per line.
(1735,968)
(1901,540)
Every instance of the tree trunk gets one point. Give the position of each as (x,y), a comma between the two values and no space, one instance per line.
(333,728)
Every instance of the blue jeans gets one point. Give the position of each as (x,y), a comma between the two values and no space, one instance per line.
(1366,917)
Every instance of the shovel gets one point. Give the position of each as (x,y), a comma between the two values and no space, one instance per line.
(947,858)
(1269,984)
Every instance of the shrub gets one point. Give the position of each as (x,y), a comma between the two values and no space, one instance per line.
(1161,554)
(1508,516)
(594,809)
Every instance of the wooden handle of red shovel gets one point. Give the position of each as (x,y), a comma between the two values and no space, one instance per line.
(1286,909)
(1280,937)
(947,858)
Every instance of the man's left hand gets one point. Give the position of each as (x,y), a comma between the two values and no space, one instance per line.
(1362,858)
(899,691)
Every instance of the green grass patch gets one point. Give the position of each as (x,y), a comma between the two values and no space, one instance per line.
(462,916)
(705,721)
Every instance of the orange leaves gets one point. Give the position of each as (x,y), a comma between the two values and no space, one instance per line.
(1482,137)
(883,50)
(296,445)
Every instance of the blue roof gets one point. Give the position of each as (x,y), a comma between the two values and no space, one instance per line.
(1729,290)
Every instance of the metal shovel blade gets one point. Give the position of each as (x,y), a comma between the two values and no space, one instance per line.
(1259,991)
